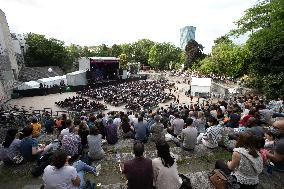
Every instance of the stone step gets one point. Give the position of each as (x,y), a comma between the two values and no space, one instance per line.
(198,180)
(31,187)
(199,151)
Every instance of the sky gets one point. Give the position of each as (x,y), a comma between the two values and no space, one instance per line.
(93,22)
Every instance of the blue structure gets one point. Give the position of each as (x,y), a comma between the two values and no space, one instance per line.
(187,33)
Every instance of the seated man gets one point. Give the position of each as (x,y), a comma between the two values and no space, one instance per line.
(139,171)
(141,130)
(29,146)
(188,136)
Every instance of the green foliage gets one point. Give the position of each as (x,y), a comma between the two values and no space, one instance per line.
(115,50)
(194,52)
(261,58)
(141,50)
(226,58)
(103,51)
(164,56)
(123,61)
(46,52)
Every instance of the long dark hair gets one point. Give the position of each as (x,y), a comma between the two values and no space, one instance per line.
(59,159)
(163,149)
(249,142)
(10,136)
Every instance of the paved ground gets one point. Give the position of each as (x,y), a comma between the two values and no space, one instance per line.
(41,102)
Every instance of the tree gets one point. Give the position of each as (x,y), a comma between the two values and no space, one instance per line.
(194,53)
(226,58)
(265,21)
(162,55)
(115,50)
(260,16)
(123,61)
(103,51)
(141,50)
(46,52)
(128,50)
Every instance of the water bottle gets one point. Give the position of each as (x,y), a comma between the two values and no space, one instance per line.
(270,167)
(117,156)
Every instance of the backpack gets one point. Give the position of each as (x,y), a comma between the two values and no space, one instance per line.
(44,161)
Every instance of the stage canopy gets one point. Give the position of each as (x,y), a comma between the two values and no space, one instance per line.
(104,60)
(28,85)
(201,86)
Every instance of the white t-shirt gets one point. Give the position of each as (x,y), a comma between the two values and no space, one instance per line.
(59,178)
(164,177)
(65,132)
(117,121)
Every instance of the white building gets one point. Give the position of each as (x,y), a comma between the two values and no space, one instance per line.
(8,64)
(201,86)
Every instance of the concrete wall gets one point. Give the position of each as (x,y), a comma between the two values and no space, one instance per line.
(8,65)
(7,44)
(84,63)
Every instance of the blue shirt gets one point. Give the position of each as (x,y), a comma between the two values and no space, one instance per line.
(140,131)
(26,146)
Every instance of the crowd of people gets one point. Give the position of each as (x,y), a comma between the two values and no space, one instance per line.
(137,95)
(79,103)
(251,127)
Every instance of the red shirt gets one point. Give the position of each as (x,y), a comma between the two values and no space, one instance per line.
(139,173)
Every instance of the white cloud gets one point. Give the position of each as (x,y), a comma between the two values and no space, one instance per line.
(92,22)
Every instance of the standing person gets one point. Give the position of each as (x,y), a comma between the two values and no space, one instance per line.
(165,168)
(139,171)
(95,144)
(246,163)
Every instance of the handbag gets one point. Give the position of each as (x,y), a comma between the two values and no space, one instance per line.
(219,179)
(186,184)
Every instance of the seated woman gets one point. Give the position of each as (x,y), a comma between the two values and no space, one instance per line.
(61,175)
(36,126)
(111,132)
(165,168)
(83,133)
(246,163)
(11,147)
(126,128)
(71,143)
(213,134)
(95,144)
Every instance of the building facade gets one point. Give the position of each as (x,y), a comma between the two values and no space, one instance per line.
(8,64)
(187,33)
